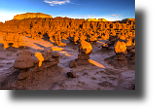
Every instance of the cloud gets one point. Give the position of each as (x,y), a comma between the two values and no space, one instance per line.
(89,16)
(117,16)
(55,2)
(113,15)
(75,4)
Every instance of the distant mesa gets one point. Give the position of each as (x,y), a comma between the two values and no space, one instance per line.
(42,15)
(31,15)
(94,19)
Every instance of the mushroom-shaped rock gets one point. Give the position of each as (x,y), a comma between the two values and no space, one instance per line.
(55,54)
(86,47)
(24,61)
(120,50)
(120,47)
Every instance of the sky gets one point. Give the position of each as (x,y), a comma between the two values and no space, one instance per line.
(108,9)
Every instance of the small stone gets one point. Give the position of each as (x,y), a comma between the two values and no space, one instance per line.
(73,64)
(71,74)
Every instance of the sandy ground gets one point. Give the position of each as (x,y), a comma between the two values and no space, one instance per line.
(89,77)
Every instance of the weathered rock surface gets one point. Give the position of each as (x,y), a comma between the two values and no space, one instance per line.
(29,64)
(24,61)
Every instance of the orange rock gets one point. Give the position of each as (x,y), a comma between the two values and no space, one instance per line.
(87,46)
(120,47)
(31,15)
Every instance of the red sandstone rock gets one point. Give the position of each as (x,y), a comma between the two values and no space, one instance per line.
(24,61)
(73,64)
(37,27)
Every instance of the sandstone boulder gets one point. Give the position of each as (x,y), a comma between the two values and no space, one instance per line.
(24,61)
(73,64)
(71,74)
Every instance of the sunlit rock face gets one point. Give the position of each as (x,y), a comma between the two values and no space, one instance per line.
(120,47)
(102,19)
(55,29)
(31,15)
(86,45)
(94,19)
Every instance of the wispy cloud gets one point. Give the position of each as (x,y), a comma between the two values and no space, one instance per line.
(56,2)
(89,16)
(117,16)
(75,4)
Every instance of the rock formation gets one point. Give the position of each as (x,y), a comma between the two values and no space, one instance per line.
(84,52)
(31,15)
(43,26)
(29,63)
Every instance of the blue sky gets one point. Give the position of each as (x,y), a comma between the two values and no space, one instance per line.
(108,9)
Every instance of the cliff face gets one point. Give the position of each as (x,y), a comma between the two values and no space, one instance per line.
(31,15)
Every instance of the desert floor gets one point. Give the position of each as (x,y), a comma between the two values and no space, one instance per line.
(89,77)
